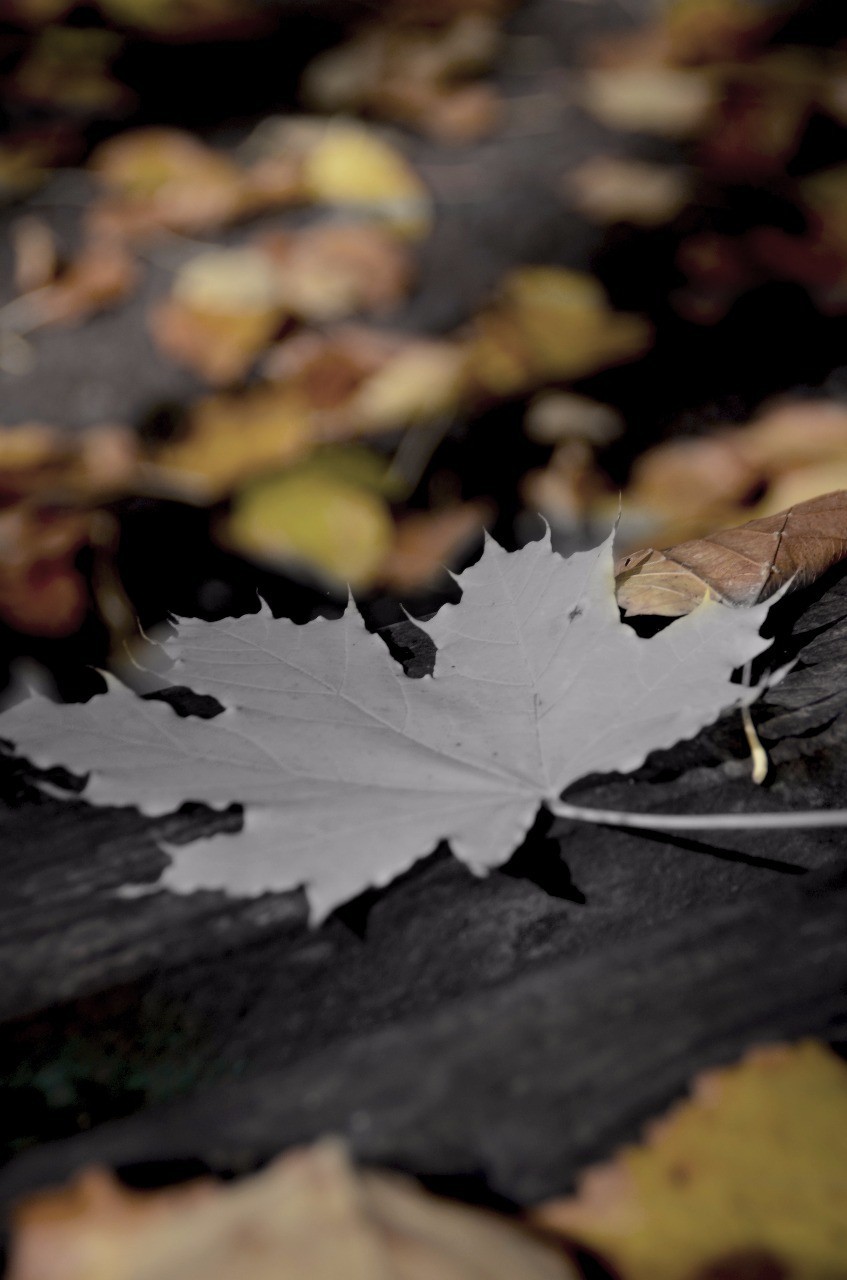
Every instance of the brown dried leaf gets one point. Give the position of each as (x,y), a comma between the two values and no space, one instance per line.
(738,566)
(427,541)
(308,1216)
(744,1179)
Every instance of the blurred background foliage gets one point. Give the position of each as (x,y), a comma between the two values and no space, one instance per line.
(306,295)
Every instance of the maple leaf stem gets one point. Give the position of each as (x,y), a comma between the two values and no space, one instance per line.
(699,821)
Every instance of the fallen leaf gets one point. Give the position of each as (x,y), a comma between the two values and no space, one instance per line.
(424,380)
(570,488)
(549,323)
(610,189)
(223,311)
(749,1170)
(101,276)
(34,250)
(226,305)
(337,269)
(24,166)
(41,591)
(350,166)
(356,382)
(427,542)
(46,465)
(717,30)
(330,366)
(554,416)
(795,434)
(740,566)
(70,68)
(350,771)
(413,73)
(309,1216)
(666,100)
(693,479)
(180,19)
(228,438)
(313,517)
(164,178)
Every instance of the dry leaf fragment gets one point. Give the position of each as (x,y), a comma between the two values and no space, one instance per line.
(751,1167)
(740,566)
(309,1216)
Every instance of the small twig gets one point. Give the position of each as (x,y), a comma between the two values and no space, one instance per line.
(699,821)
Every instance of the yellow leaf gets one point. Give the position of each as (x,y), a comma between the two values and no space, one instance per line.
(549,323)
(315,516)
(423,381)
(753,1167)
(351,165)
(231,437)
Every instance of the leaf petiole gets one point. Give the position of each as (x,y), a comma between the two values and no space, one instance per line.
(698,821)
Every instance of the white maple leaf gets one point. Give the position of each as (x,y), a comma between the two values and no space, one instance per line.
(350,771)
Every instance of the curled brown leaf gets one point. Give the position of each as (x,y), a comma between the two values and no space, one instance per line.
(739,566)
